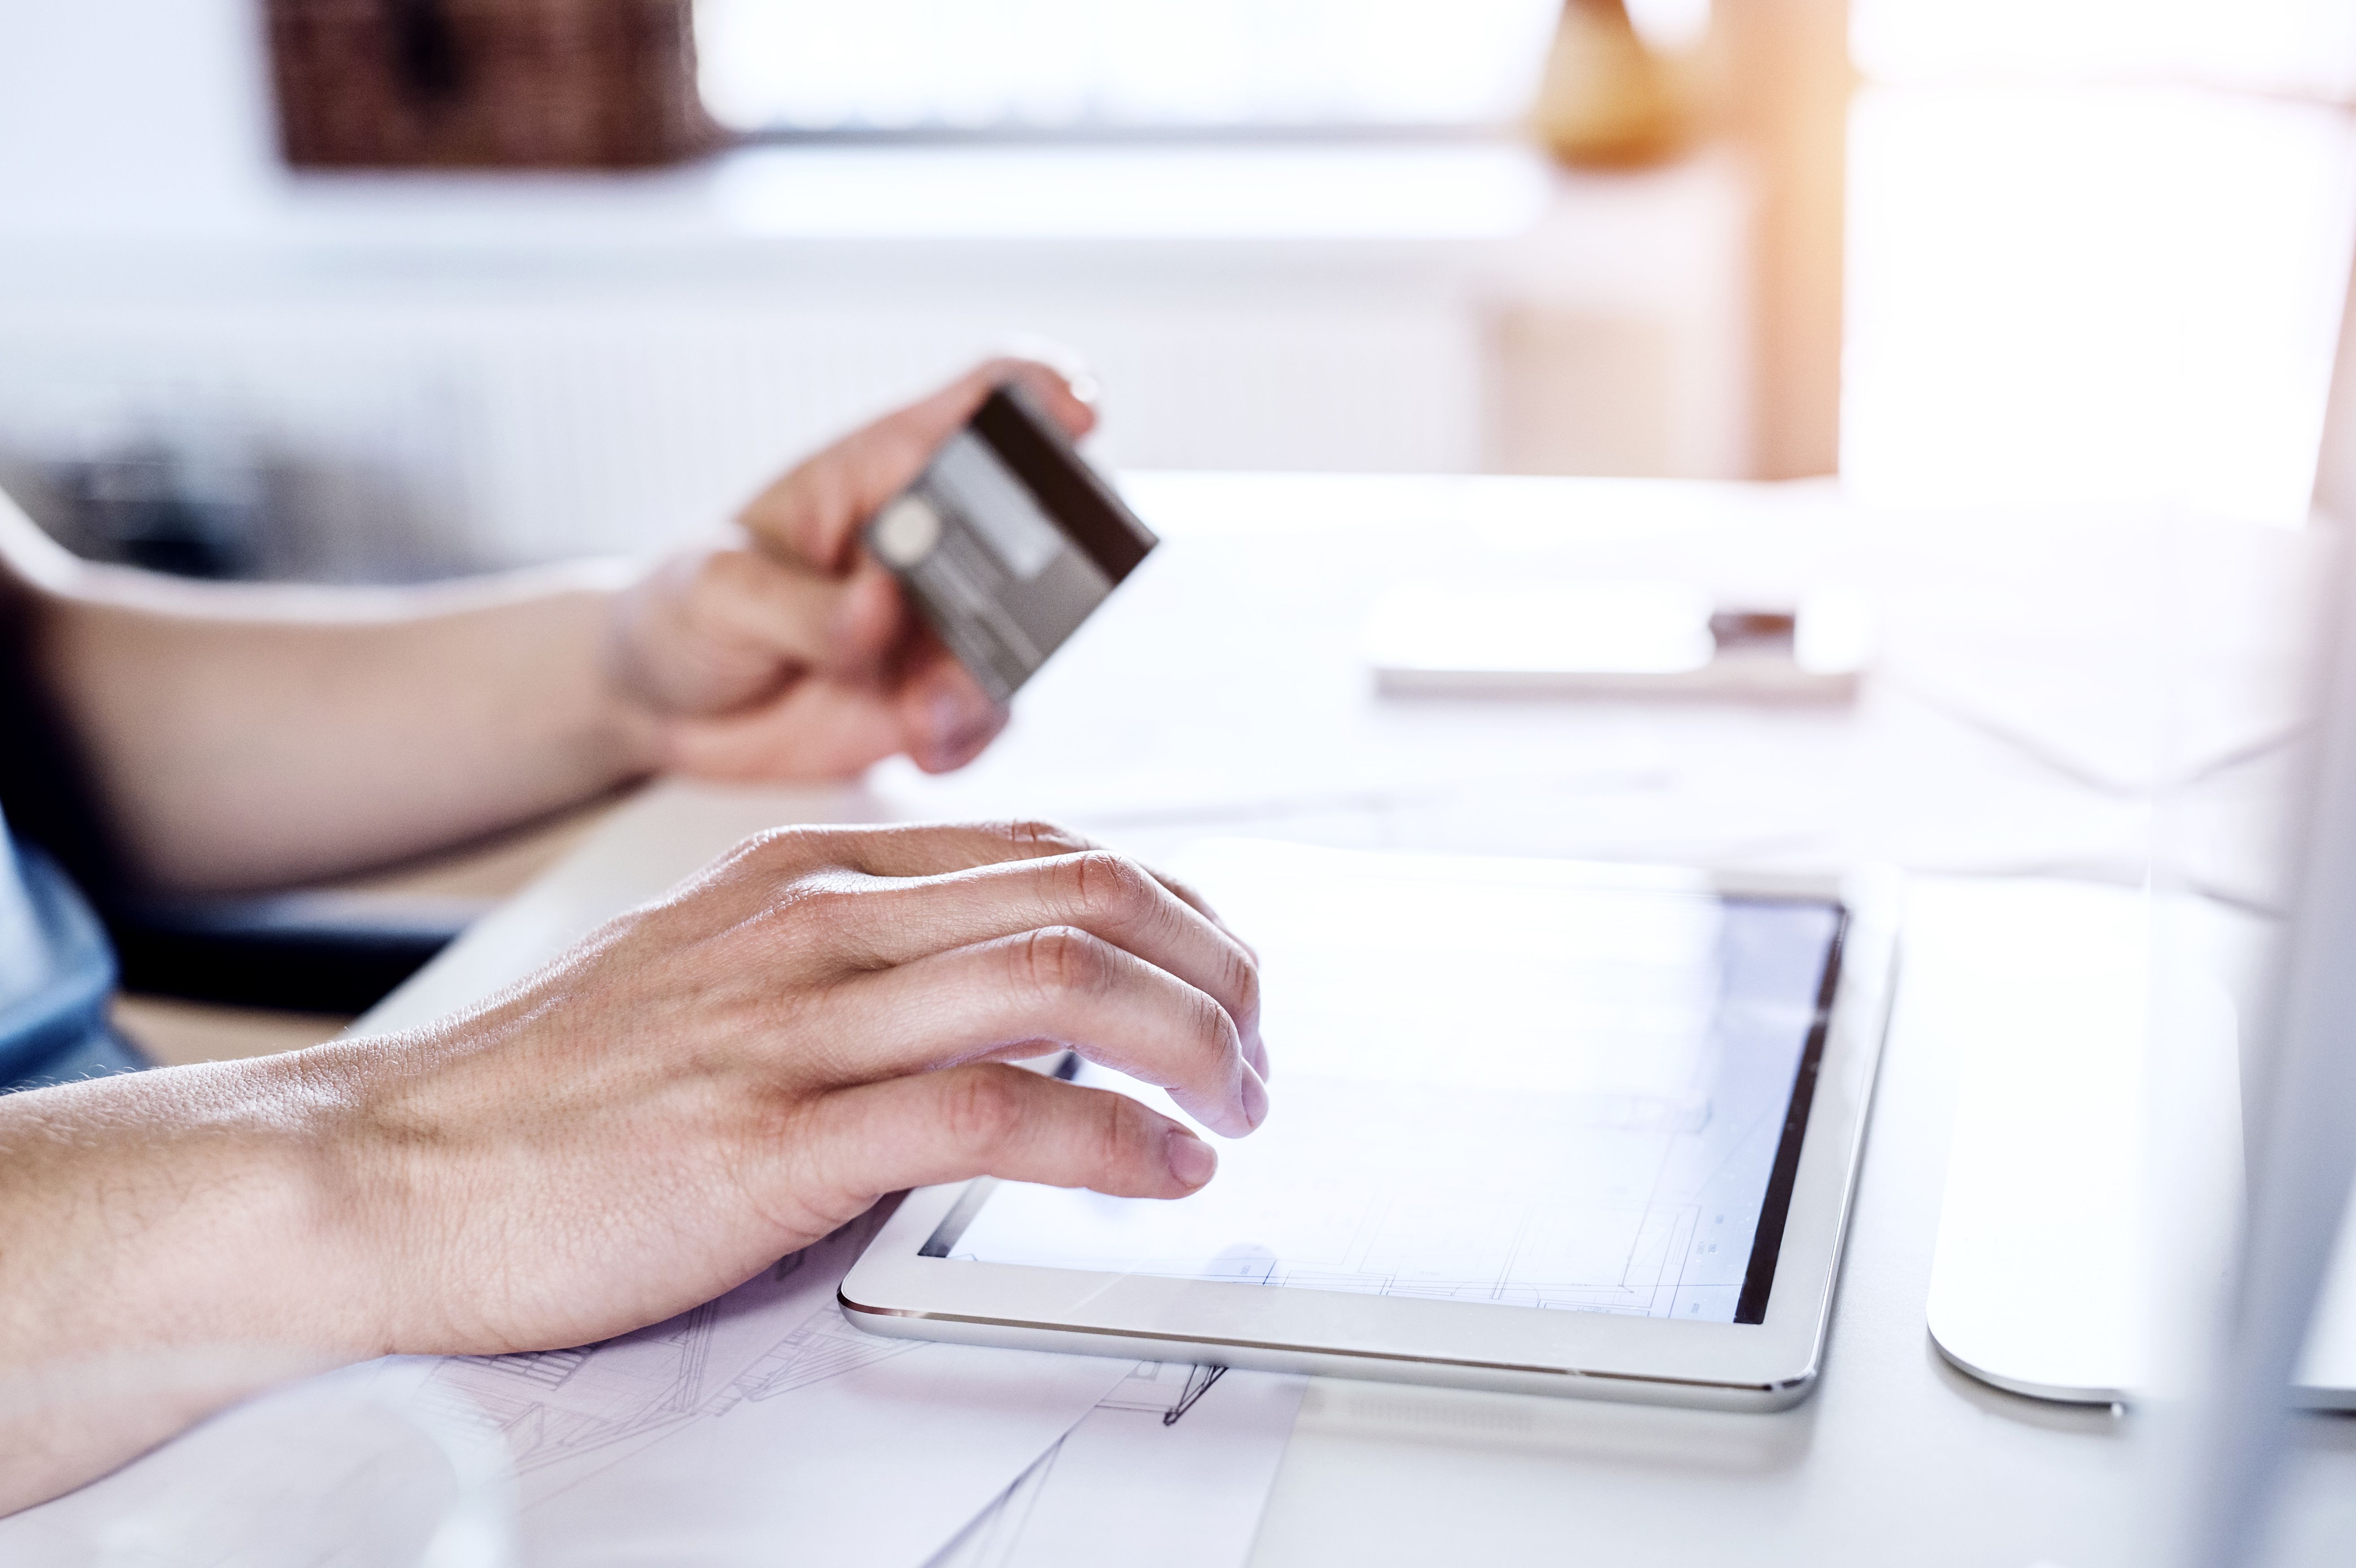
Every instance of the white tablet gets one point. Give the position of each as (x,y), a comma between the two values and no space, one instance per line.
(1535,1125)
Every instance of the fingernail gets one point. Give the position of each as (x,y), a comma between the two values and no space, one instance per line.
(1191,1160)
(1254,1097)
(949,718)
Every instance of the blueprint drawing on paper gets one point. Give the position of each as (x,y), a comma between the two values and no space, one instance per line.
(1172,1467)
(567,1414)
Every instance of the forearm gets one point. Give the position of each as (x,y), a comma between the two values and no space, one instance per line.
(262,735)
(169,1243)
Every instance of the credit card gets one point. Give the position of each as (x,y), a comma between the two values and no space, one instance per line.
(1006,541)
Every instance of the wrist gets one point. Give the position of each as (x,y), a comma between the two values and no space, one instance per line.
(293,1241)
(171,1242)
(633,734)
(634,721)
(184,1207)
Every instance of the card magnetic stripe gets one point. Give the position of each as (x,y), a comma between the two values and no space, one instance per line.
(1090,514)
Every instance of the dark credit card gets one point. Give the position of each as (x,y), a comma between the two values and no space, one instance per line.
(1007,540)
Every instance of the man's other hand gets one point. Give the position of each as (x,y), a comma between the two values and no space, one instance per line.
(790,653)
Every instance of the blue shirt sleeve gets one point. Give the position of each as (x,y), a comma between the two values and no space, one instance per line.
(56,975)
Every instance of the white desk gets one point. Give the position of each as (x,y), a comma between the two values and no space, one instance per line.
(1220,694)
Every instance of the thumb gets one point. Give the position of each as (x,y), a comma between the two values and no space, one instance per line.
(814,513)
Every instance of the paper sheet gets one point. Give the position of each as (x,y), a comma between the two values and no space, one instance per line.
(763,1421)
(320,1472)
(756,1427)
(1172,1469)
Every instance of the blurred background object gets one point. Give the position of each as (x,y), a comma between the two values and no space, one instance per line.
(1608,100)
(496,83)
(1788,81)
(1287,234)
(2095,251)
(1035,69)
(151,506)
(278,458)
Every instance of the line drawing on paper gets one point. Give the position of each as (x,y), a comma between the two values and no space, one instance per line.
(1166,1389)
(1198,1383)
(573,1408)
(555,1405)
(822,1347)
(1148,1464)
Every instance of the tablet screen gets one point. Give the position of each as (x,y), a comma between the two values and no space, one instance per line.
(1486,1087)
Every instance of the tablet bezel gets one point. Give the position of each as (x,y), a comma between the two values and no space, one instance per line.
(894,1290)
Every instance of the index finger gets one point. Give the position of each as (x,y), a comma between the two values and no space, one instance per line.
(1028,995)
(895,921)
(814,513)
(931,849)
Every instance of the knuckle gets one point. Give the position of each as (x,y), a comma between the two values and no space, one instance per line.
(1211,1029)
(1245,982)
(1063,960)
(1109,887)
(824,902)
(753,850)
(796,869)
(1118,1131)
(775,1125)
(1031,838)
(759,859)
(779,849)
(982,1111)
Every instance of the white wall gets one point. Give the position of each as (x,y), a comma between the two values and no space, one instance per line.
(132,114)
(490,368)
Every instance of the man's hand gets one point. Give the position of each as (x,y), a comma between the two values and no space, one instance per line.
(790,653)
(259,735)
(703,1086)
(728,1075)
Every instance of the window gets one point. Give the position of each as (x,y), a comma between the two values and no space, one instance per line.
(2097,250)
(1094,66)
(2297,49)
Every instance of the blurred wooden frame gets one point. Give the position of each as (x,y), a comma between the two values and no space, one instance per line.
(1789,83)
(486,84)
(1575,388)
